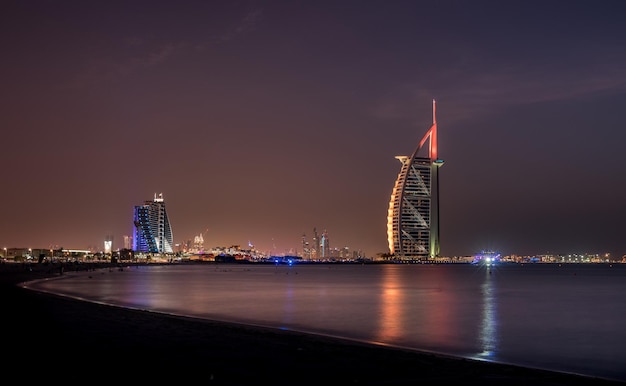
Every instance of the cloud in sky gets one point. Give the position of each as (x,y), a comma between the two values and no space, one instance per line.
(137,53)
(476,89)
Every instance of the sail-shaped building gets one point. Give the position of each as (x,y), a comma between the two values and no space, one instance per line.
(413,216)
(152,229)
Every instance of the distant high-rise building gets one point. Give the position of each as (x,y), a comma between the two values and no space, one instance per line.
(128,242)
(198,243)
(315,248)
(152,229)
(306,250)
(413,216)
(108,244)
(325,245)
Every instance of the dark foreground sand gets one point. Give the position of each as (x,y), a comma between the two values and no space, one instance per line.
(54,339)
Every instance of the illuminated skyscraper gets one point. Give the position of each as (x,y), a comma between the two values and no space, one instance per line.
(413,216)
(108,244)
(152,233)
(128,242)
(325,245)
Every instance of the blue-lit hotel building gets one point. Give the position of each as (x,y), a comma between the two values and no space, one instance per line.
(413,216)
(152,229)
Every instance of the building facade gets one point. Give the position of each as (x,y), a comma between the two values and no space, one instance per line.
(413,216)
(152,229)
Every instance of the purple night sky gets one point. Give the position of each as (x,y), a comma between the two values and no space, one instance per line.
(261,120)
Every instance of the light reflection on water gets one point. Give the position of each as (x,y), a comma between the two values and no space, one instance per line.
(568,318)
(489,327)
(391,298)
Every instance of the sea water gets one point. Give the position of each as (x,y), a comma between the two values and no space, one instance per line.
(563,317)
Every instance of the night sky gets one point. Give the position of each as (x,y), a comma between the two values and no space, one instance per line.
(260,121)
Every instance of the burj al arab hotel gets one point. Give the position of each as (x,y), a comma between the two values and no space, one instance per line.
(413,217)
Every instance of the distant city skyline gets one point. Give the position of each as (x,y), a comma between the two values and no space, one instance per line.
(260,121)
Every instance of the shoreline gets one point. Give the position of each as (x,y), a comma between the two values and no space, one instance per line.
(76,339)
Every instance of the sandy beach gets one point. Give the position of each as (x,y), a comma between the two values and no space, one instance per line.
(50,337)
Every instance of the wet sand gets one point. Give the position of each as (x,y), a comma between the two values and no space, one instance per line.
(49,337)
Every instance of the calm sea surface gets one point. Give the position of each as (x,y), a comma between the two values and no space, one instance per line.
(569,317)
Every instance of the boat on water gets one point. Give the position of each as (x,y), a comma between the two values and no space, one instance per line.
(487,258)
